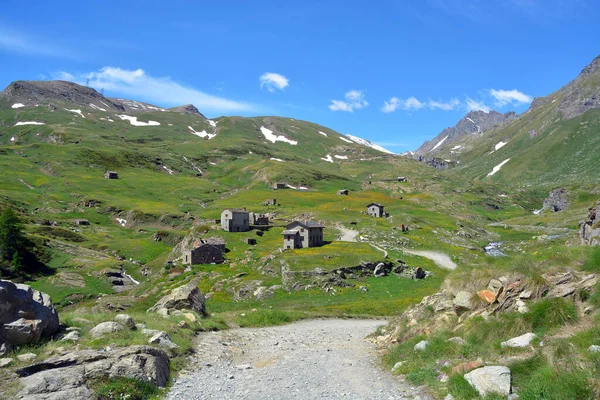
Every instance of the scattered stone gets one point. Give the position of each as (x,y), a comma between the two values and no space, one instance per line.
(184,297)
(397,366)
(589,232)
(487,296)
(380,270)
(150,332)
(244,366)
(163,312)
(105,328)
(556,200)
(363,289)
(27,357)
(125,320)
(562,290)
(521,307)
(456,340)
(462,301)
(190,317)
(66,376)
(488,380)
(5,362)
(449,397)
(520,341)
(422,345)
(594,349)
(140,326)
(162,339)
(72,336)
(183,325)
(526,295)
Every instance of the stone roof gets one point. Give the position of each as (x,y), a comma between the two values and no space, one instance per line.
(306,224)
(374,204)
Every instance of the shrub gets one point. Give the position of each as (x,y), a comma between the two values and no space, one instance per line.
(122,388)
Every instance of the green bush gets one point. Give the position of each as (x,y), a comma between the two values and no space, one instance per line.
(592,263)
(551,313)
(549,384)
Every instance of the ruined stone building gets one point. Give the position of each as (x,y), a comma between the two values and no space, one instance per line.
(298,235)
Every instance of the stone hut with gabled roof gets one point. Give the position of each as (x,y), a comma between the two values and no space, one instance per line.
(111,175)
(375,210)
(235,220)
(205,251)
(299,234)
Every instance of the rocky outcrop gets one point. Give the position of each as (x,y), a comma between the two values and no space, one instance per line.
(556,201)
(589,230)
(435,162)
(26,315)
(186,297)
(490,380)
(67,376)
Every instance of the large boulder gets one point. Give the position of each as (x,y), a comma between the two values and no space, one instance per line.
(184,297)
(490,380)
(556,200)
(106,328)
(26,315)
(463,301)
(66,376)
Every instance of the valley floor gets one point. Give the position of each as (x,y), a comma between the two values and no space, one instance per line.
(312,359)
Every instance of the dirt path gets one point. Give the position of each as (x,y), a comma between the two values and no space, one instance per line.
(347,235)
(314,359)
(441,259)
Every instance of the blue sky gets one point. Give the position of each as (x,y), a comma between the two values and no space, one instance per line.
(395,72)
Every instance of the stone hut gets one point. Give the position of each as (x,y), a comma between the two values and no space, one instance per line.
(343,192)
(205,251)
(299,234)
(111,175)
(402,179)
(375,210)
(82,222)
(235,220)
(279,186)
(270,202)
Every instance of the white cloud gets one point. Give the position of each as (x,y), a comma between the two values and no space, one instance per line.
(514,97)
(474,105)
(446,106)
(412,103)
(272,81)
(353,100)
(138,85)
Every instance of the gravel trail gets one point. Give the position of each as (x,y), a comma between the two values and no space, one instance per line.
(313,359)
(441,259)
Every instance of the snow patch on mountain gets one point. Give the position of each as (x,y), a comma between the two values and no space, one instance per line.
(212,123)
(30,123)
(439,143)
(323,133)
(368,143)
(268,134)
(277,159)
(97,108)
(346,140)
(76,112)
(328,158)
(202,134)
(341,157)
(499,145)
(17,105)
(497,167)
(170,171)
(140,106)
(133,121)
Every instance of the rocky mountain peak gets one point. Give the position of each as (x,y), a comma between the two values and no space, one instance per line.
(187,109)
(475,122)
(33,93)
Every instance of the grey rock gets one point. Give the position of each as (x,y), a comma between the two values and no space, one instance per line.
(26,315)
(488,380)
(589,229)
(27,357)
(519,341)
(125,320)
(594,349)
(162,339)
(150,332)
(397,366)
(556,200)
(184,297)
(66,377)
(72,336)
(105,328)
(422,345)
(5,362)
(463,301)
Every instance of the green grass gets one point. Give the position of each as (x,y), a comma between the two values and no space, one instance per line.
(122,388)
